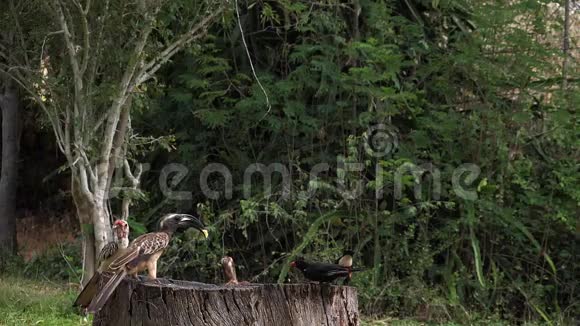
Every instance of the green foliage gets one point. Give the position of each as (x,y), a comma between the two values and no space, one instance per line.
(459,81)
(11,264)
(59,263)
(136,228)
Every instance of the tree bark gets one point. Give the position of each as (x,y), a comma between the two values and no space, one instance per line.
(11,121)
(116,159)
(82,205)
(170,302)
(95,227)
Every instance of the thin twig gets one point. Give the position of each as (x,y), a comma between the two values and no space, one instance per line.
(194,33)
(67,262)
(250,60)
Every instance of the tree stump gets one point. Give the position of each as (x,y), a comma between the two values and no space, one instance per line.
(171,302)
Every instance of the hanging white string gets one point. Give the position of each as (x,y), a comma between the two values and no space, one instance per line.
(250,59)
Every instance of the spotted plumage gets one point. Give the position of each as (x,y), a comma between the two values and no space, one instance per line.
(142,254)
(108,251)
(141,249)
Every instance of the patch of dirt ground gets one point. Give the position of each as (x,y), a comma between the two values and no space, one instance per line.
(36,233)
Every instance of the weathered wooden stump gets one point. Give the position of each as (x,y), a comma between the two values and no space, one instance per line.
(171,302)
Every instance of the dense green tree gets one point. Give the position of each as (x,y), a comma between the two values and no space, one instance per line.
(81,61)
(437,139)
(450,83)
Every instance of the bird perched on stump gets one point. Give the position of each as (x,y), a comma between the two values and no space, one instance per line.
(321,272)
(346,261)
(107,254)
(143,253)
(230,271)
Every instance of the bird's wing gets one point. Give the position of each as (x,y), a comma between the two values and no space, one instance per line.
(337,272)
(140,249)
(126,259)
(329,269)
(108,251)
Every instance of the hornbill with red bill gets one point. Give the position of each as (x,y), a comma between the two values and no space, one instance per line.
(322,272)
(106,256)
(143,253)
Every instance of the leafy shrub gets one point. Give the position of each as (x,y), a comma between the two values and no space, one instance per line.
(61,263)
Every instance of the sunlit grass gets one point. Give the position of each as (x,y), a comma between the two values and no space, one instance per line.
(32,302)
(411,322)
(28,302)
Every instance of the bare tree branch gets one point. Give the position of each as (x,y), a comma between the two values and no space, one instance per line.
(41,57)
(90,79)
(70,46)
(134,179)
(87,7)
(91,173)
(83,180)
(67,129)
(119,101)
(78,81)
(196,32)
(86,36)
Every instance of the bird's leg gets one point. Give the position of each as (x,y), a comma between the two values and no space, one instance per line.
(152,272)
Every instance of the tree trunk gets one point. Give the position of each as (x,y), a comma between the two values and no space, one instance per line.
(91,214)
(87,230)
(187,303)
(10,105)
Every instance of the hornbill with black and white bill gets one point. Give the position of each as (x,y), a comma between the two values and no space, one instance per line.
(322,272)
(106,256)
(143,253)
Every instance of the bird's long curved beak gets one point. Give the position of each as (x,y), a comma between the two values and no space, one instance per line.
(193,221)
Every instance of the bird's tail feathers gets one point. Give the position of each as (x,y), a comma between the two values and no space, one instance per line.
(89,290)
(106,292)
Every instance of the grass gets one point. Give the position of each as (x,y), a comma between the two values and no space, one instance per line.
(28,302)
(410,322)
(32,302)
